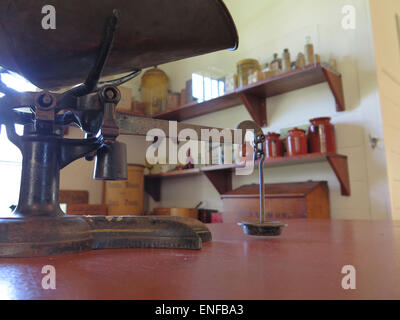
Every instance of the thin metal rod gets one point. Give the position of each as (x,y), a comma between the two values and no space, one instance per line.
(119,81)
(262,189)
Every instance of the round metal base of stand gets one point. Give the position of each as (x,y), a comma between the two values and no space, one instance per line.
(270,228)
(43,236)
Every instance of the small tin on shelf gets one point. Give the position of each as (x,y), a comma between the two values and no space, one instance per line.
(273,145)
(173,100)
(296,142)
(321,136)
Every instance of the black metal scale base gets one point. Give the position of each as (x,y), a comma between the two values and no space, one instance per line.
(58,58)
(38,227)
(48,236)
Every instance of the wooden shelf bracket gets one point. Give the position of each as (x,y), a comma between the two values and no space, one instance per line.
(335,83)
(341,170)
(256,106)
(153,187)
(221,180)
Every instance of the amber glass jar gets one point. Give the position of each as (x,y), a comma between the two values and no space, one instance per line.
(154,91)
(244,69)
(296,142)
(321,136)
(273,145)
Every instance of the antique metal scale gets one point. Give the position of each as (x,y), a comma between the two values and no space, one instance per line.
(92,39)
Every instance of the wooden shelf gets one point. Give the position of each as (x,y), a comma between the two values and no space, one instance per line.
(176,173)
(221,175)
(283,161)
(131,113)
(254,96)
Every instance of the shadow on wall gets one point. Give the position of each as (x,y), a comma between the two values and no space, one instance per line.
(352,75)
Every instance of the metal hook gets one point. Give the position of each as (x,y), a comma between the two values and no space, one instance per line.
(373,141)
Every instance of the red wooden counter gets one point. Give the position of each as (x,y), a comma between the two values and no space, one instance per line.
(305,262)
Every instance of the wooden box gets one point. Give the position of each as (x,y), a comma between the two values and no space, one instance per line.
(283,201)
(182,100)
(125,198)
(173,101)
(74,197)
(205,215)
(125,104)
(87,209)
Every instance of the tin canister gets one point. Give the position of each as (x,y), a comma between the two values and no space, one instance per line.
(296,142)
(321,136)
(244,69)
(273,145)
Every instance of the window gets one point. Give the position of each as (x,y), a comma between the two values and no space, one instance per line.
(206,88)
(10,156)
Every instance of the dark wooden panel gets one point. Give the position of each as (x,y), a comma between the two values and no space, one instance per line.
(175,173)
(87,209)
(74,196)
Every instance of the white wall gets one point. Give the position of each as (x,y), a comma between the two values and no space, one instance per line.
(265,27)
(268,26)
(387,44)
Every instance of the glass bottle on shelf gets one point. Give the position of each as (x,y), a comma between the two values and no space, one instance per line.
(309,52)
(154,91)
(301,61)
(286,63)
(276,64)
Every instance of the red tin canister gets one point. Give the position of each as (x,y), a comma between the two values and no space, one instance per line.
(321,136)
(296,142)
(273,145)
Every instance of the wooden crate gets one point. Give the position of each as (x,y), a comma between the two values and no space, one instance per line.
(74,197)
(87,209)
(125,198)
(283,201)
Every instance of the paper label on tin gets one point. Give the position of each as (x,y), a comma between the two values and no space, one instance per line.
(322,138)
(297,144)
(273,148)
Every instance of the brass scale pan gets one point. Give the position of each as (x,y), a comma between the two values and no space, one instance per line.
(151,32)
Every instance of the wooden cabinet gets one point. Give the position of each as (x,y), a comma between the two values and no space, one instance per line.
(283,201)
